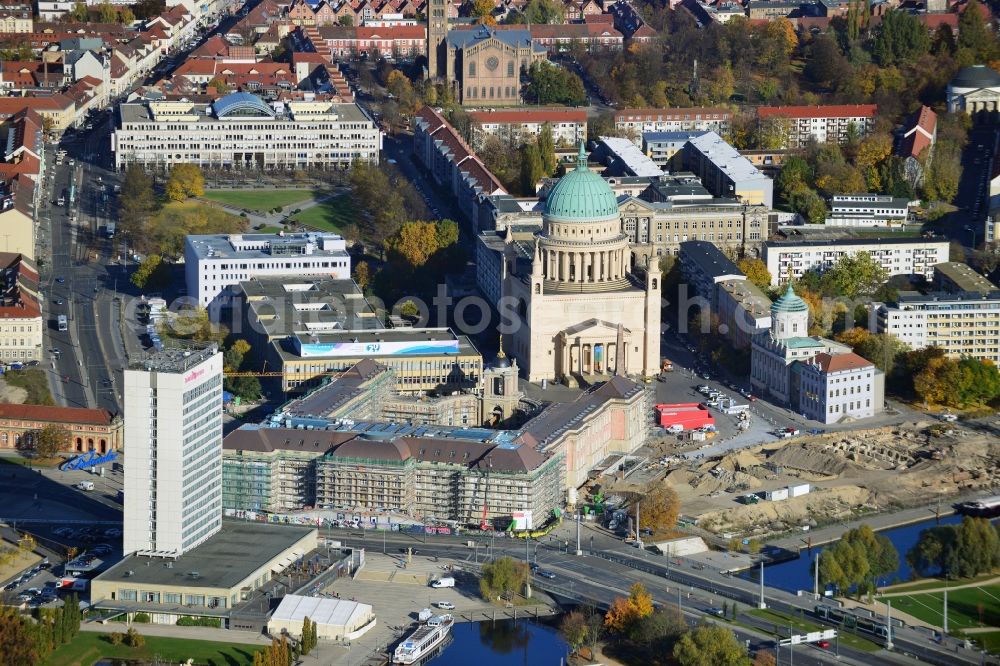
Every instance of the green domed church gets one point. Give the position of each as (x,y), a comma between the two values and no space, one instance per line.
(583,310)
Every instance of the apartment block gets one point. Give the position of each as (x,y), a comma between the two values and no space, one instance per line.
(899,256)
(834,123)
(962,324)
(726,173)
(634,122)
(568,126)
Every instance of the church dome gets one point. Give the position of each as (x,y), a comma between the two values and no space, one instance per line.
(789,302)
(976,76)
(581,195)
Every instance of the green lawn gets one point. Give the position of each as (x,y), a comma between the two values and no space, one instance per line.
(963,607)
(331,215)
(34,381)
(258,200)
(88,647)
(989,641)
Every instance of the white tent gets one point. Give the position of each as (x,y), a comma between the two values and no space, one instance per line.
(335,619)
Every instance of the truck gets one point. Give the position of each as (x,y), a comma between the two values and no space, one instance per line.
(447,581)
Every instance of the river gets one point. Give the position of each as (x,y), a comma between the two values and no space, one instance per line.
(795,575)
(503,643)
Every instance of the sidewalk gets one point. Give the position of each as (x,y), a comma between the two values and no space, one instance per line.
(173,631)
(904,593)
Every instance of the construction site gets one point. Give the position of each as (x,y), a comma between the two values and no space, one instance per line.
(808,481)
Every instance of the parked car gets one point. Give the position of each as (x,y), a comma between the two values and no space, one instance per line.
(445,605)
(545,573)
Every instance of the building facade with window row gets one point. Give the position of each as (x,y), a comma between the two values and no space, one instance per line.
(87,429)
(242,131)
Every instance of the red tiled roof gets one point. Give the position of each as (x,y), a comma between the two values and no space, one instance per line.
(531,116)
(918,133)
(55,414)
(841,362)
(825,111)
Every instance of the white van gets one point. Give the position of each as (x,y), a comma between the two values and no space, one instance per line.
(444,582)
(85,485)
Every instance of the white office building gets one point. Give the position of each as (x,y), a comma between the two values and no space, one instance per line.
(962,324)
(867,210)
(215,264)
(899,256)
(242,131)
(173,435)
(834,387)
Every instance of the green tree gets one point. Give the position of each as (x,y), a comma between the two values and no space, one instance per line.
(659,508)
(825,65)
(854,275)
(247,387)
(882,349)
(974,35)
(79,13)
(938,381)
(134,639)
(306,642)
(126,16)
(106,13)
(978,547)
(547,149)
(543,11)
(148,268)
(756,271)
(136,201)
(552,84)
(347,21)
(504,575)
(482,11)
(186,180)
(710,645)
(573,629)
(624,612)
(934,551)
(532,169)
(902,38)
(362,275)
(50,440)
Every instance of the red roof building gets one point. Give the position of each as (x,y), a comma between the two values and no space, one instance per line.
(87,429)
(919,133)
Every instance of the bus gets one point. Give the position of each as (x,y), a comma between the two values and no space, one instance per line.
(62,323)
(72,193)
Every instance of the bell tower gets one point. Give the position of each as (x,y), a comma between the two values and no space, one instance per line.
(437,33)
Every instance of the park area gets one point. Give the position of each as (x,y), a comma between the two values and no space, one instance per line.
(968,607)
(330,215)
(89,647)
(261,201)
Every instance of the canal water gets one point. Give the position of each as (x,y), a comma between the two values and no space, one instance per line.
(503,643)
(794,575)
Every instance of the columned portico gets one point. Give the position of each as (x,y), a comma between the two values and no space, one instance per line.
(581,291)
